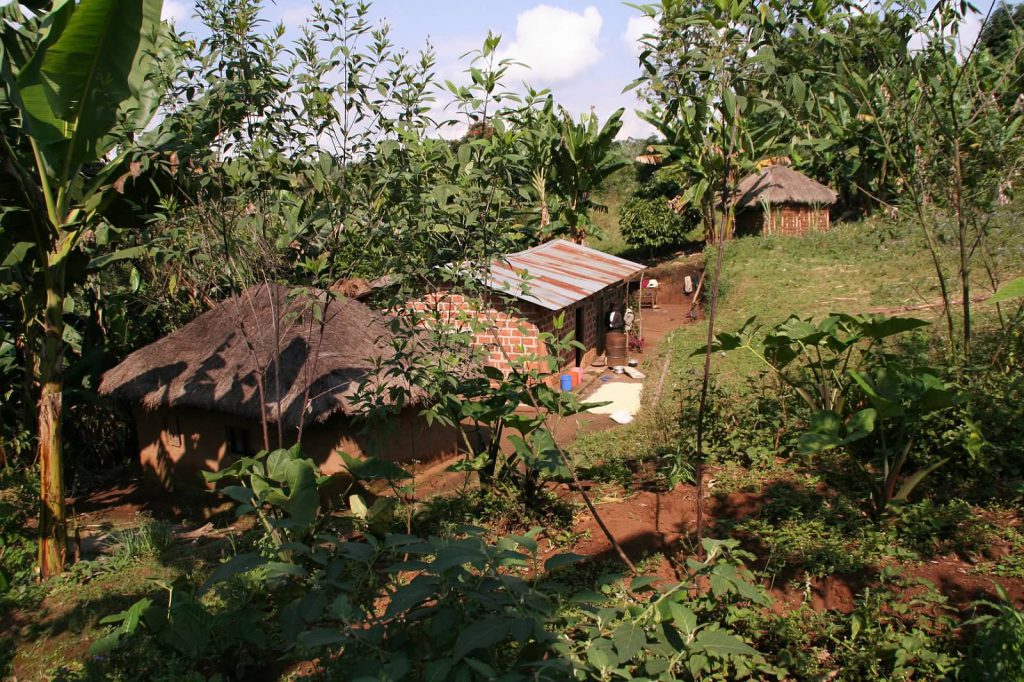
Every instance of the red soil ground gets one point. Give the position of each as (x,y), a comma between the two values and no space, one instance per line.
(663,525)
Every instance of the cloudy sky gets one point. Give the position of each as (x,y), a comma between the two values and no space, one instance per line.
(584,51)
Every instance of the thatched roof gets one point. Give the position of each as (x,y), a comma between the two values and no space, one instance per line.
(781,185)
(212,363)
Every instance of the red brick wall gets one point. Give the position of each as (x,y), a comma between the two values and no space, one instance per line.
(511,331)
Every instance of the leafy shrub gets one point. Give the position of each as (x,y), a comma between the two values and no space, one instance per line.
(503,511)
(408,607)
(18,498)
(900,630)
(930,528)
(651,223)
(997,651)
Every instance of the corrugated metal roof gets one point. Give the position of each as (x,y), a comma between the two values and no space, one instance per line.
(559,273)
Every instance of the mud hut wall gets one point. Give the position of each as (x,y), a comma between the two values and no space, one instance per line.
(176,444)
(404,438)
(790,220)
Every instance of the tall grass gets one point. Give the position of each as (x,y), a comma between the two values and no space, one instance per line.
(148,538)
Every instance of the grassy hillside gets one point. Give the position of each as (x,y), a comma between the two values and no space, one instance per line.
(853,268)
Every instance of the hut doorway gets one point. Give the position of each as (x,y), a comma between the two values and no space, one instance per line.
(579,334)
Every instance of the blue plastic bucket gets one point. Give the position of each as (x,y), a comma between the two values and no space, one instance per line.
(566,382)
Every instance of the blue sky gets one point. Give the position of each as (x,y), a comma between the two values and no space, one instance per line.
(583,51)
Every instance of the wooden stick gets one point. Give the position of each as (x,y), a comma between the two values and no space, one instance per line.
(696,295)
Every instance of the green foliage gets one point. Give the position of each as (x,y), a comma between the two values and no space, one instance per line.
(469,610)
(87,76)
(79,84)
(282,481)
(855,391)
(651,224)
(484,404)
(892,638)
(815,359)
(997,651)
(17,541)
(147,538)
(900,397)
(931,529)
(705,70)
(583,157)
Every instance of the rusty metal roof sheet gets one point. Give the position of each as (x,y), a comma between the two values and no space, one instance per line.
(558,273)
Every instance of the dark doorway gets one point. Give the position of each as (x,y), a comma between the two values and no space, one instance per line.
(579,335)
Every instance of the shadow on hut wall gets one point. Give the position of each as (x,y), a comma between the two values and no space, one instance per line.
(177,444)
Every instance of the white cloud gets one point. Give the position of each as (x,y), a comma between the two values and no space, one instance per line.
(557,44)
(174,11)
(636,29)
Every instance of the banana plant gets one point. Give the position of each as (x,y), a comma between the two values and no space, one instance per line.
(78,77)
(581,160)
(814,358)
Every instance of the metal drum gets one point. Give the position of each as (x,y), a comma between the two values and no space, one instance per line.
(615,347)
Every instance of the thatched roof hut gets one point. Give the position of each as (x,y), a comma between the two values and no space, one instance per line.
(782,185)
(268,331)
(780,200)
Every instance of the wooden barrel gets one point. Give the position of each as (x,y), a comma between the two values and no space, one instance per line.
(615,348)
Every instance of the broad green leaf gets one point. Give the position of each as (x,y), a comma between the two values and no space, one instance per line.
(812,442)
(17,254)
(242,563)
(90,71)
(421,588)
(629,639)
(879,326)
(318,638)
(123,254)
(718,643)
(374,469)
(437,671)
(481,634)
(683,617)
(826,422)
(860,425)
(914,479)
(601,655)
(560,560)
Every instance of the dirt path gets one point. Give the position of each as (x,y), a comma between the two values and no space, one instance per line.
(662,525)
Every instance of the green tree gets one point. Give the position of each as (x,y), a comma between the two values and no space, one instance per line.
(965,134)
(78,79)
(705,72)
(996,35)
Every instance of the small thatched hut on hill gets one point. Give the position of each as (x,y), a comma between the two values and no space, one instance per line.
(780,200)
(257,364)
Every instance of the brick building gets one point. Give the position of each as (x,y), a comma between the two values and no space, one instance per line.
(780,200)
(530,290)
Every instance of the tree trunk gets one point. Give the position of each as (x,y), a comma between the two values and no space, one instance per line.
(52,517)
(965,259)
